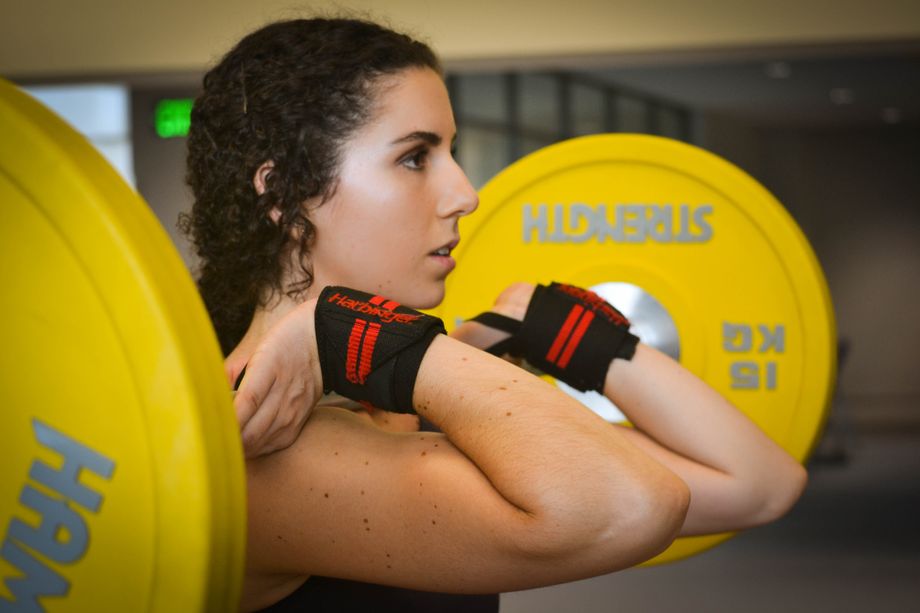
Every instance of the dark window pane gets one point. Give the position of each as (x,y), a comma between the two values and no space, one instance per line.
(632,115)
(587,110)
(482,153)
(669,123)
(481,97)
(539,103)
(529,144)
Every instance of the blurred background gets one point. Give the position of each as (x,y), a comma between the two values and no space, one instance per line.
(819,101)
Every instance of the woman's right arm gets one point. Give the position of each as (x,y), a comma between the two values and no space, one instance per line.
(525,487)
(738,476)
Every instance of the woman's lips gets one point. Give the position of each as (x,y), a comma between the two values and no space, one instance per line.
(444,260)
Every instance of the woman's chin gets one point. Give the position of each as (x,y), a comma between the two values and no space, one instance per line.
(417,295)
(428,298)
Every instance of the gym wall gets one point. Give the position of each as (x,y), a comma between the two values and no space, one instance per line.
(856,194)
(854,191)
(129,37)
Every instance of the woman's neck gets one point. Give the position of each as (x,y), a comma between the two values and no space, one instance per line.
(264,318)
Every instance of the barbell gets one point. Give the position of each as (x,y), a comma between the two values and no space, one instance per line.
(123,485)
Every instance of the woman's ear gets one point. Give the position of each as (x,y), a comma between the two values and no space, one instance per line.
(260,179)
(258,182)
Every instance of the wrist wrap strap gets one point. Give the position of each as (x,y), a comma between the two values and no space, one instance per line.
(370,348)
(569,333)
(505,324)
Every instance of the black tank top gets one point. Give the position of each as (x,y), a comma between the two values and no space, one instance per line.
(327,595)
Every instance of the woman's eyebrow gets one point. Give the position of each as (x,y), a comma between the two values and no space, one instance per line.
(430,138)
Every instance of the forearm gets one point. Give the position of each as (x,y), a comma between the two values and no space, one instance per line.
(680,412)
(556,461)
(737,476)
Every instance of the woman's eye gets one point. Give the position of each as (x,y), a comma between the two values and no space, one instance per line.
(416,160)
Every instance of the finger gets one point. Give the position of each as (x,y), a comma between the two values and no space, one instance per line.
(257,429)
(295,408)
(233,370)
(515,298)
(228,372)
(282,439)
(253,435)
(254,389)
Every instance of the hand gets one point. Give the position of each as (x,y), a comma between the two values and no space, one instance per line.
(283,383)
(562,330)
(512,302)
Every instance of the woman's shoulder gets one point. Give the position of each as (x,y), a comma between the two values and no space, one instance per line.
(385,420)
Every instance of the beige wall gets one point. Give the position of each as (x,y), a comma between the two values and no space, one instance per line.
(96,37)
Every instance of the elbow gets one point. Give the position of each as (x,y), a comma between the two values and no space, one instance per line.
(782,493)
(629,525)
(647,524)
(774,496)
(656,520)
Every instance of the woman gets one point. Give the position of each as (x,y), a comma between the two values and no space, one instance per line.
(319,155)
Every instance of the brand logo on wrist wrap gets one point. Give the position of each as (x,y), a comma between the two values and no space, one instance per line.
(378,306)
(595,302)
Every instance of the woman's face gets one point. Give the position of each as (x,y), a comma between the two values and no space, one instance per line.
(391,223)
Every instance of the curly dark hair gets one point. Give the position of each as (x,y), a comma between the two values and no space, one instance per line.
(291,94)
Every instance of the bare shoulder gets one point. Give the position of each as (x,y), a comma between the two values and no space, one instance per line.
(355,500)
(281,483)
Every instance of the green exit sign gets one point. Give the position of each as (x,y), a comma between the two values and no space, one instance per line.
(172,117)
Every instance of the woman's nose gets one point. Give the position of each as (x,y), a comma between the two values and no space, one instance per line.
(461,198)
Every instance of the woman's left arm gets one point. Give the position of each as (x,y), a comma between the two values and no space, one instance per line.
(738,477)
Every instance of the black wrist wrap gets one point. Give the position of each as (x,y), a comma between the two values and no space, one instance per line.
(370,348)
(569,333)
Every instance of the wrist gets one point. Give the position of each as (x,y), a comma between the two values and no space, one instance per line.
(478,335)
(370,348)
(574,335)
(306,313)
